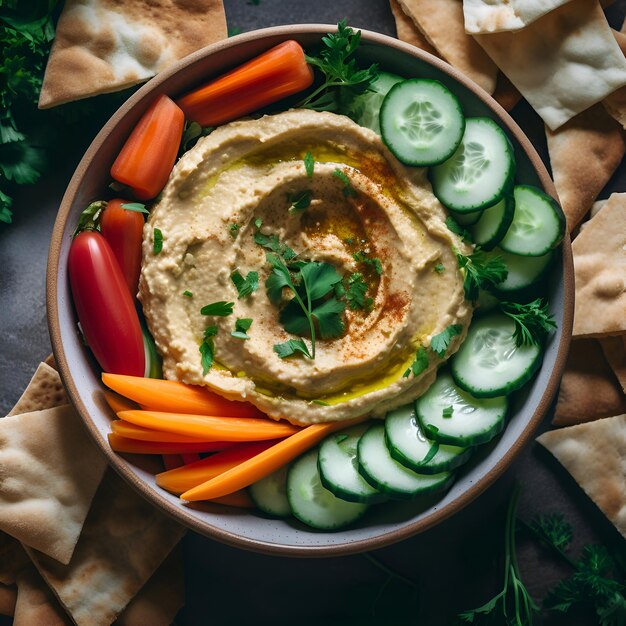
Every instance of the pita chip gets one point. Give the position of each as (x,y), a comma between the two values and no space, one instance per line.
(36,603)
(615,103)
(441,22)
(107,45)
(49,472)
(406,29)
(595,455)
(614,349)
(562,63)
(584,154)
(123,542)
(588,389)
(506,94)
(8,597)
(12,559)
(600,272)
(44,391)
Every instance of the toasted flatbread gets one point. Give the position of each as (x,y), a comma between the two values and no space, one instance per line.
(441,22)
(506,94)
(107,45)
(12,559)
(615,103)
(595,455)
(8,598)
(44,391)
(36,603)
(600,272)
(406,29)
(589,390)
(570,46)
(614,349)
(579,179)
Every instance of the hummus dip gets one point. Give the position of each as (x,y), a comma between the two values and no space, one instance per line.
(368,214)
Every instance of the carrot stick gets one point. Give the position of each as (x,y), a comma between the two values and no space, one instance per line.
(131,431)
(190,458)
(240,499)
(264,463)
(135,446)
(119,403)
(275,74)
(183,478)
(172,461)
(210,428)
(147,158)
(172,396)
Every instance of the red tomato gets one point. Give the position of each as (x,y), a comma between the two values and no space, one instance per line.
(123,230)
(105,308)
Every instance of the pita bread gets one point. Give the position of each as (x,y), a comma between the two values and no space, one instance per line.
(49,472)
(36,604)
(615,103)
(107,45)
(600,272)
(595,455)
(506,94)
(596,135)
(12,559)
(562,63)
(44,391)
(614,349)
(8,597)
(407,31)
(491,16)
(441,22)
(123,542)
(588,388)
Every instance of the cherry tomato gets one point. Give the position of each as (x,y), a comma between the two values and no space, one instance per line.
(105,308)
(123,230)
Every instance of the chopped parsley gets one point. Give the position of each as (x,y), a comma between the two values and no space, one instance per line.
(481,271)
(221,309)
(258,222)
(300,200)
(355,293)
(348,190)
(245,286)
(457,229)
(138,207)
(234,229)
(362,257)
(439,343)
(242,325)
(532,321)
(439,268)
(309,164)
(271,242)
(420,363)
(447,411)
(157,241)
(207,349)
(291,347)
(187,294)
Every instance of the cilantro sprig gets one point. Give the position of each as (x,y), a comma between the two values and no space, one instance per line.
(355,292)
(220,309)
(245,286)
(532,321)
(481,271)
(420,363)
(207,349)
(242,326)
(439,343)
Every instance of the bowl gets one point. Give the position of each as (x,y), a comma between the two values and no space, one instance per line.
(239,527)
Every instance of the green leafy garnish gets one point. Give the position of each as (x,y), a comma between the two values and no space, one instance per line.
(457,229)
(355,293)
(300,200)
(233,30)
(420,363)
(245,286)
(320,402)
(343,79)
(532,321)
(187,294)
(207,349)
(348,190)
(90,217)
(291,347)
(481,272)
(271,242)
(191,133)
(432,451)
(242,325)
(439,268)
(362,257)
(447,411)
(221,308)
(309,164)
(439,343)
(258,222)
(138,207)
(157,241)
(234,229)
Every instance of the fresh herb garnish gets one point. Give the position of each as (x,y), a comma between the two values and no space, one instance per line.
(309,164)
(532,321)
(138,207)
(271,242)
(234,229)
(245,286)
(432,451)
(221,308)
(481,272)
(447,411)
(439,268)
(299,201)
(348,190)
(343,79)
(457,229)
(157,241)
(362,257)
(320,402)
(207,349)
(187,294)
(191,133)
(420,363)
(355,293)
(291,347)
(90,217)
(242,325)
(439,343)
(258,222)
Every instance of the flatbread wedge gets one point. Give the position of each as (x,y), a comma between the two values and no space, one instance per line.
(614,349)
(44,391)
(406,29)
(8,598)
(595,455)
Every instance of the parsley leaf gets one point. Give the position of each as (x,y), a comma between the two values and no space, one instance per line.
(157,240)
(362,257)
(187,294)
(138,207)
(439,268)
(532,321)
(90,217)
(242,325)
(234,229)
(300,200)
(207,349)
(355,292)
(328,316)
(457,229)
(319,278)
(220,309)
(279,278)
(420,363)
(191,133)
(481,272)
(309,164)
(348,190)
(439,343)
(245,286)
(291,347)
(447,411)
(271,242)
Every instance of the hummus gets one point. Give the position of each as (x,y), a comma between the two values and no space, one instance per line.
(368,214)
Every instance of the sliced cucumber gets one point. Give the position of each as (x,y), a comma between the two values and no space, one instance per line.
(312,503)
(408,445)
(538,225)
(452,416)
(489,363)
(337,460)
(524,271)
(481,170)
(494,223)
(364,109)
(153,368)
(421,121)
(270,494)
(387,475)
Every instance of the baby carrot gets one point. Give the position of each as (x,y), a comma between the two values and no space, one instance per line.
(135,446)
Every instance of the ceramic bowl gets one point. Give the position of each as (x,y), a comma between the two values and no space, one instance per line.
(242,528)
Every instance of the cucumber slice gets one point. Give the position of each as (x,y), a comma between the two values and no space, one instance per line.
(538,225)
(421,121)
(270,494)
(153,368)
(524,272)
(494,223)
(408,445)
(337,461)
(312,503)
(489,363)
(364,109)
(387,475)
(471,421)
(480,171)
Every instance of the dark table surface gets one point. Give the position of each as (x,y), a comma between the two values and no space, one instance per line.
(454,566)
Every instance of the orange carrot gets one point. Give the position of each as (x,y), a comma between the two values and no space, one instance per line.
(264,463)
(275,74)
(184,478)
(147,158)
(174,397)
(210,428)
(190,458)
(135,446)
(172,461)
(240,499)
(119,403)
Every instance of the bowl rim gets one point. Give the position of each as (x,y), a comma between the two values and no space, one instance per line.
(186,516)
